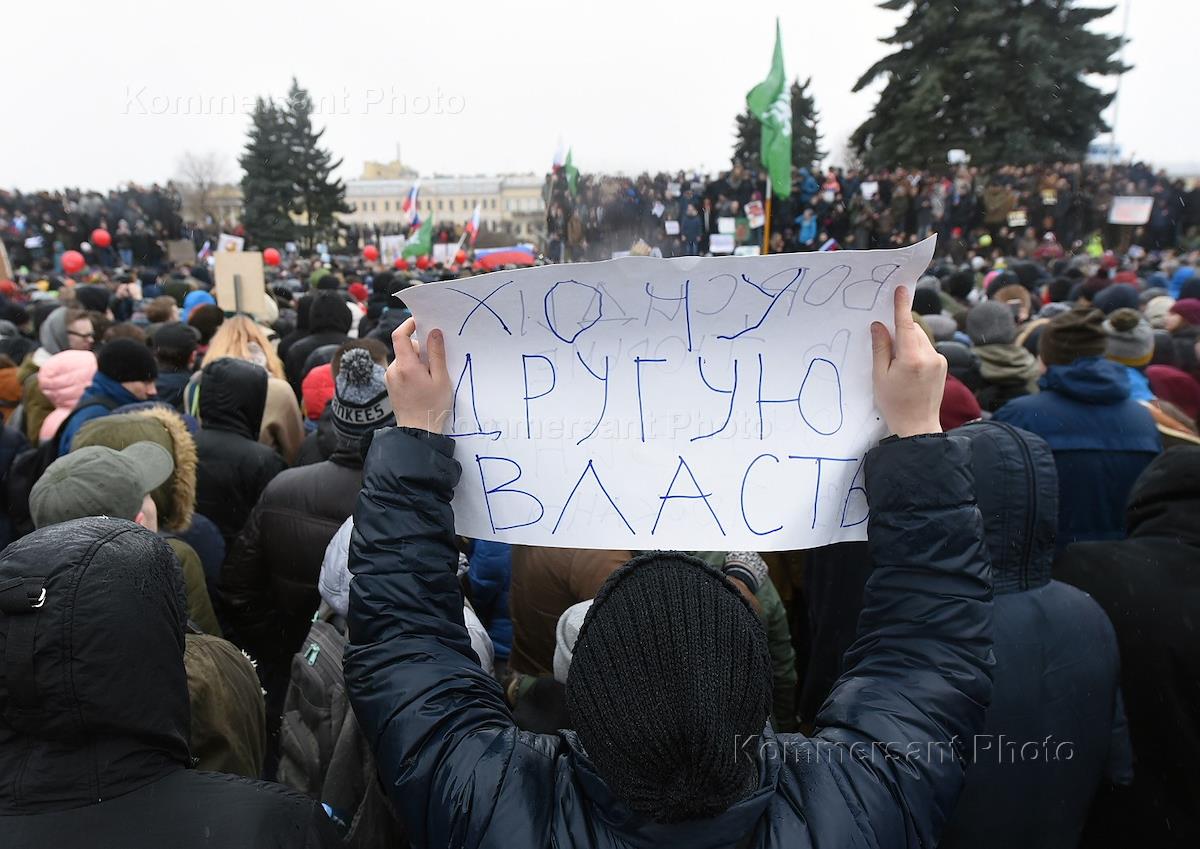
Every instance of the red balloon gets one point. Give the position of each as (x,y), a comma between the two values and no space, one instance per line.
(101,238)
(370,253)
(271,256)
(460,257)
(72,262)
(422,262)
(401,264)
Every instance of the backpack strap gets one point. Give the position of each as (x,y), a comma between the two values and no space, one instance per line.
(100,401)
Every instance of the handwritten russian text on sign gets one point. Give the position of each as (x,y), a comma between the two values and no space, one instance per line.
(716,403)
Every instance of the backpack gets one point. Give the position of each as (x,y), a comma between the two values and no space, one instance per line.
(30,464)
(322,752)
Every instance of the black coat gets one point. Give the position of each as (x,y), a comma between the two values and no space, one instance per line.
(1149,584)
(459,771)
(329,321)
(1056,659)
(234,467)
(94,726)
(269,580)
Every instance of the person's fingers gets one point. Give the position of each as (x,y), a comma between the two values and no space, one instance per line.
(435,350)
(905,326)
(881,348)
(402,343)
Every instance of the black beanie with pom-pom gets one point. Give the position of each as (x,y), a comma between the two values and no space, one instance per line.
(670,675)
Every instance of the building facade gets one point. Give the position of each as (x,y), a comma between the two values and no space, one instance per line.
(511,206)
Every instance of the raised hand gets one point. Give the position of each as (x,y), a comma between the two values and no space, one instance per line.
(909,375)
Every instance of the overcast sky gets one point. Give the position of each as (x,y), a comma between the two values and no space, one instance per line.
(95,96)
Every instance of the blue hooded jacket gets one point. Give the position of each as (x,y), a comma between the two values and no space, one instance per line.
(105,390)
(1101,438)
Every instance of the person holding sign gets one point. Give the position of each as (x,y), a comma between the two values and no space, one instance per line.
(669,689)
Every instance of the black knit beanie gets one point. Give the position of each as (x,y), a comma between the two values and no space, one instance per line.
(126,360)
(671,674)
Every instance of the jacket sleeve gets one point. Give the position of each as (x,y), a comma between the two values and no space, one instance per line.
(442,735)
(918,679)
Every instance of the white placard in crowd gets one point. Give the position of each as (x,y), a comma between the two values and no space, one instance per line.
(1130,209)
(869,189)
(390,248)
(239,283)
(658,209)
(672,227)
(231,244)
(726,225)
(721,243)
(6,272)
(755,214)
(687,403)
(747,250)
(674,190)
(444,252)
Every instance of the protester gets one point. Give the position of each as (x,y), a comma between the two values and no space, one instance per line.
(1006,370)
(62,330)
(1148,586)
(96,721)
(1101,438)
(408,671)
(174,346)
(62,379)
(329,323)
(234,467)
(125,374)
(269,582)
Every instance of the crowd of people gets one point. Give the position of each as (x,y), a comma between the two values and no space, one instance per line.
(188,491)
(997,212)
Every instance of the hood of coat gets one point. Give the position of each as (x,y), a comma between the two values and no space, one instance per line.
(724,830)
(1091,380)
(1007,364)
(328,311)
(53,333)
(175,499)
(1166,497)
(64,377)
(1016,486)
(101,708)
(233,396)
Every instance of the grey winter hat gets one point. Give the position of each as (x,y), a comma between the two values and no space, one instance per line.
(1130,338)
(991,323)
(98,481)
(360,401)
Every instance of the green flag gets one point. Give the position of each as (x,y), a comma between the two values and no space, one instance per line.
(572,174)
(770,102)
(423,243)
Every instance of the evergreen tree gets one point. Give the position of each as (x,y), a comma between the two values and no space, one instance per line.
(267,184)
(806,138)
(317,196)
(1002,79)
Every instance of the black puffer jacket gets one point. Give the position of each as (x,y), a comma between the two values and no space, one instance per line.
(233,468)
(329,321)
(269,581)
(1149,584)
(1055,731)
(94,723)
(460,773)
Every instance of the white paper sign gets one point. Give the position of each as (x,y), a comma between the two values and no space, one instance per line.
(687,403)
(228,243)
(726,225)
(1131,210)
(671,227)
(674,190)
(658,209)
(747,250)
(869,189)
(721,243)
(391,248)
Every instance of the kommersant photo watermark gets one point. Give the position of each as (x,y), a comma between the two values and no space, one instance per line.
(981,748)
(372,101)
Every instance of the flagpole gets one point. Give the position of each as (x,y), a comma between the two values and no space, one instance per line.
(767,220)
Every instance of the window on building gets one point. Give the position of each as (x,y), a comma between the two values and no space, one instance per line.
(493,203)
(451,203)
(387,206)
(439,205)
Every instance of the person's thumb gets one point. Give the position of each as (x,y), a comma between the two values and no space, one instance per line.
(881,348)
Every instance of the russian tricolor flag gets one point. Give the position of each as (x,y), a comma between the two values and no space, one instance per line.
(473,226)
(409,207)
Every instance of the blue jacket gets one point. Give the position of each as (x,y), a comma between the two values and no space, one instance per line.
(1101,439)
(1057,668)
(102,388)
(460,773)
(490,576)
